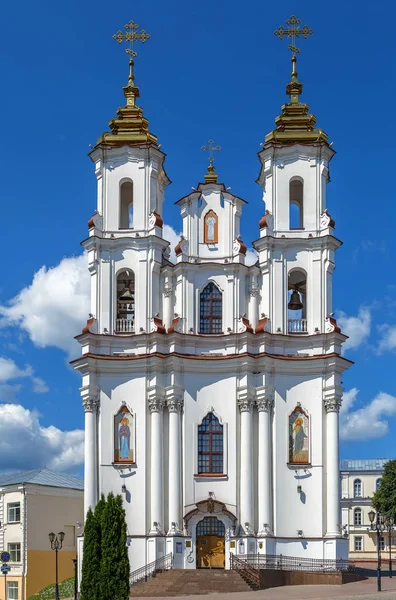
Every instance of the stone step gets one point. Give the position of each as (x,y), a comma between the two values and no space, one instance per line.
(180,582)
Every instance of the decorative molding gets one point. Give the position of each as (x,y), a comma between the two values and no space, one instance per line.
(90,404)
(168,290)
(155,220)
(244,325)
(96,221)
(264,325)
(332,404)
(156,404)
(254,290)
(91,326)
(157,325)
(239,247)
(245,404)
(267,221)
(331,325)
(326,220)
(265,404)
(175,404)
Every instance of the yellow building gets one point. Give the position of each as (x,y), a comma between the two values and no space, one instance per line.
(33,504)
(360,478)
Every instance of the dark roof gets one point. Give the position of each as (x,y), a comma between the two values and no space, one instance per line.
(363,464)
(42,477)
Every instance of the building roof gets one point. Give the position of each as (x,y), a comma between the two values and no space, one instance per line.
(42,477)
(363,464)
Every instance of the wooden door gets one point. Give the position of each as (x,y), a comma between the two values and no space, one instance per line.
(210,552)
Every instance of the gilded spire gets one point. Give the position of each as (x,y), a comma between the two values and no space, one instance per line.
(295,124)
(129,127)
(211,175)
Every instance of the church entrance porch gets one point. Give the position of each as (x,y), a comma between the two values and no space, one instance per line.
(210,543)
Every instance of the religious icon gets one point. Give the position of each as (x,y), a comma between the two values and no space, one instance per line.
(298,436)
(211,228)
(124,436)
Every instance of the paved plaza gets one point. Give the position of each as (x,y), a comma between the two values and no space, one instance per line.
(363,590)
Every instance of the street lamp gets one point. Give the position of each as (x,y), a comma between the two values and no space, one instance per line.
(56,544)
(389,521)
(379,526)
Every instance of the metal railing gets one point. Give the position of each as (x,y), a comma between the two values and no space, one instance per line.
(297,325)
(148,571)
(248,572)
(125,326)
(296,563)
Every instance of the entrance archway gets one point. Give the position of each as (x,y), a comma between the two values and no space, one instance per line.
(210,539)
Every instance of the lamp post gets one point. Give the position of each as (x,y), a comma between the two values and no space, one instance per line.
(377,523)
(390,527)
(56,544)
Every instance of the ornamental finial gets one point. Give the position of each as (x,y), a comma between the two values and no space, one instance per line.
(130,36)
(211,175)
(293,31)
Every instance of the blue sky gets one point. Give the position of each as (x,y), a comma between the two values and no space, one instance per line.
(210,70)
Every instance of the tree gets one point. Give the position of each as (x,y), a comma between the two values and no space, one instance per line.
(384,500)
(91,558)
(114,566)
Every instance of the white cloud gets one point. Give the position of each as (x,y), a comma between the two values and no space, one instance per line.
(387,342)
(251,257)
(356,328)
(55,307)
(369,421)
(25,444)
(39,385)
(173,237)
(9,370)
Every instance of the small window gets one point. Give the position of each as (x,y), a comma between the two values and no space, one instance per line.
(210,445)
(296,192)
(358,543)
(126,205)
(12,590)
(14,550)
(357,488)
(357,516)
(14,512)
(211,310)
(378,483)
(125,321)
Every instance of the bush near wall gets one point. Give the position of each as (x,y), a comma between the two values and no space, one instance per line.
(66,590)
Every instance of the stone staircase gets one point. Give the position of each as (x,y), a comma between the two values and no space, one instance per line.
(185,582)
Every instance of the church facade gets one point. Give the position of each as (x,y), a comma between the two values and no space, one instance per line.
(211,388)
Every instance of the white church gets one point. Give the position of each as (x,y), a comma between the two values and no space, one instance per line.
(212,389)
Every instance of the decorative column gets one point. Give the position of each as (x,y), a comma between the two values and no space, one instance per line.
(246,454)
(168,303)
(264,406)
(254,293)
(175,406)
(90,404)
(332,408)
(156,406)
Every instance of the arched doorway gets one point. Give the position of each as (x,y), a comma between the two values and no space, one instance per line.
(210,540)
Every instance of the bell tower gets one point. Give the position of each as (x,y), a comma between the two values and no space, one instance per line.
(297,243)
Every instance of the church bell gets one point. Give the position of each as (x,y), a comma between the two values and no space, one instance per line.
(295,301)
(126,295)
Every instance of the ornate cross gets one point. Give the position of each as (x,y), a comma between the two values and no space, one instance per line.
(131,35)
(293,32)
(210,148)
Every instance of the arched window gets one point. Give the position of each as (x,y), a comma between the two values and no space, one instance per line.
(357,488)
(125,322)
(211,310)
(210,445)
(297,301)
(296,195)
(378,483)
(126,205)
(210,526)
(357,516)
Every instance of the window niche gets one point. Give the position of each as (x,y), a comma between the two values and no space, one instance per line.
(124,436)
(297,301)
(126,205)
(298,437)
(125,321)
(211,228)
(296,197)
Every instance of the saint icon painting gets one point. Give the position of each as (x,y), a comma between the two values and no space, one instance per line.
(298,436)
(211,228)
(124,436)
